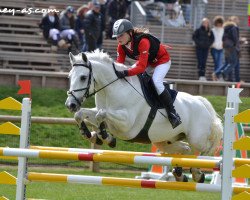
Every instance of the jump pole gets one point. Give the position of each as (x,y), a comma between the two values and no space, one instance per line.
(24,143)
(12,104)
(132,153)
(128,182)
(129,159)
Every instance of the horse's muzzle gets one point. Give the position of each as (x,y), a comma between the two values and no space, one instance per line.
(72,105)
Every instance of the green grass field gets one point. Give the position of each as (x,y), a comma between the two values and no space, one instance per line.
(50,102)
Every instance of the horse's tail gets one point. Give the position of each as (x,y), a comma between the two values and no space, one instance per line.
(216,127)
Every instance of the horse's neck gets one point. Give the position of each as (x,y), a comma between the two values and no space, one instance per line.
(105,74)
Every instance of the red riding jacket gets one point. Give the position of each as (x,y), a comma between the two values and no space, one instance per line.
(143,56)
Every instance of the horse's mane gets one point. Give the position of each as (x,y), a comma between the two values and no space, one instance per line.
(99,55)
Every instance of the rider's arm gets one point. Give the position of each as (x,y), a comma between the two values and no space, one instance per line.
(120,54)
(142,62)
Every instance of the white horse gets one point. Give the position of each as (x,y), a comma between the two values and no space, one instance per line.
(123,110)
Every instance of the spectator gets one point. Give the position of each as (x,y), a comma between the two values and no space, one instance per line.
(203,38)
(80,26)
(103,23)
(231,50)
(93,30)
(117,9)
(67,24)
(217,48)
(186,7)
(236,78)
(50,26)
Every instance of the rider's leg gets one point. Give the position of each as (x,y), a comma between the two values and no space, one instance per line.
(158,76)
(167,101)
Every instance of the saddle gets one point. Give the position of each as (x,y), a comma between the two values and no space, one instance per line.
(150,92)
(154,102)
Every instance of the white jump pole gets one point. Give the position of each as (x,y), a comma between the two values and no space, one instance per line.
(24,143)
(228,139)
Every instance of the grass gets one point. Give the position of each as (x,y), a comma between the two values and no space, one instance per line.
(50,102)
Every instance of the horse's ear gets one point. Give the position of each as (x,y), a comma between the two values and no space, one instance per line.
(84,57)
(72,58)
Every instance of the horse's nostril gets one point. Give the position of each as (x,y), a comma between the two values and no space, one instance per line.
(72,106)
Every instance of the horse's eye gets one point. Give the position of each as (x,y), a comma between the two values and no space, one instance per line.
(83,78)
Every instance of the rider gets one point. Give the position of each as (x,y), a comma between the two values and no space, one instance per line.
(139,45)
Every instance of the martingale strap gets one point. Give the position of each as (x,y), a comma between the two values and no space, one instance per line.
(142,136)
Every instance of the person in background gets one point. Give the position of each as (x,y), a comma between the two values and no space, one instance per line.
(236,70)
(117,9)
(217,48)
(50,26)
(93,26)
(67,25)
(80,26)
(150,55)
(103,22)
(203,38)
(231,51)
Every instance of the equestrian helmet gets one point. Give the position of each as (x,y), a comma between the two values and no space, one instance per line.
(121,26)
(70,9)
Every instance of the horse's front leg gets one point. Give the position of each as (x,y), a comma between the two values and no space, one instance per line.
(103,135)
(89,115)
(106,137)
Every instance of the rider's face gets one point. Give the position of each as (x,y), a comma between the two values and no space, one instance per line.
(123,38)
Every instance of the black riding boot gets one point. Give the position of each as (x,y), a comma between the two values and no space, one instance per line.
(173,117)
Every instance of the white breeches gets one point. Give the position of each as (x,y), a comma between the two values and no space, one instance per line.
(53,33)
(68,34)
(159,73)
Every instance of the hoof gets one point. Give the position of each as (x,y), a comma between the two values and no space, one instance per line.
(185,178)
(177,171)
(202,178)
(112,144)
(99,141)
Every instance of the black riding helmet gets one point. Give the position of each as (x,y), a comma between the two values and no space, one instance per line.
(121,26)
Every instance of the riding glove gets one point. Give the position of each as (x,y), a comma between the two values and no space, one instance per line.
(121,74)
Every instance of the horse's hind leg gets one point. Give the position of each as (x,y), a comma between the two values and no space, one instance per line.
(179,176)
(173,148)
(197,175)
(201,145)
(176,147)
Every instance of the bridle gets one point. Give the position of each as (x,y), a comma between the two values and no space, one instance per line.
(87,94)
